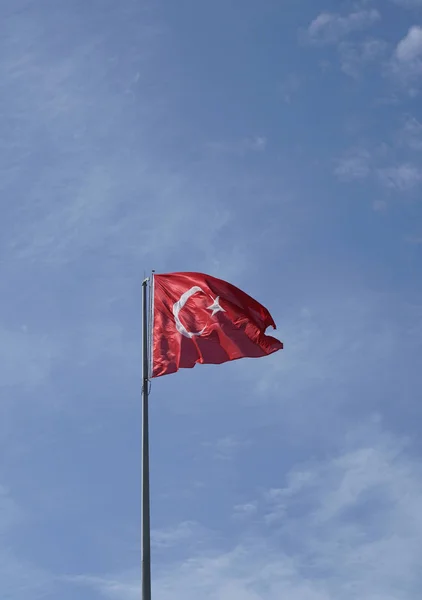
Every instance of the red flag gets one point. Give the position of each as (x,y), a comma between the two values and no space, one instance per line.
(200,319)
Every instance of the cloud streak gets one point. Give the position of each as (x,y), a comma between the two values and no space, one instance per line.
(329,28)
(396,166)
(329,525)
(401,178)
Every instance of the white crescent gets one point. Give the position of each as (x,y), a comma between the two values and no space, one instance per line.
(177,307)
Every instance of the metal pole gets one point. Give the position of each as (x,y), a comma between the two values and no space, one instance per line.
(146,527)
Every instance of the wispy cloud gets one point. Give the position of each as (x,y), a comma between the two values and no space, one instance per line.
(415,240)
(329,342)
(329,525)
(95,218)
(178,535)
(354,56)
(402,178)
(329,28)
(290,87)
(110,194)
(394,165)
(225,448)
(356,165)
(360,504)
(410,134)
(406,63)
(117,157)
(240,147)
(244,511)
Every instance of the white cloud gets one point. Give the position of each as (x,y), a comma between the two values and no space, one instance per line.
(410,134)
(332,27)
(340,515)
(383,162)
(244,511)
(349,331)
(96,218)
(355,56)
(225,448)
(290,87)
(180,534)
(355,166)
(402,178)
(410,47)
(336,518)
(240,147)
(406,64)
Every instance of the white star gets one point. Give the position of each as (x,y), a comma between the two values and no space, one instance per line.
(215,306)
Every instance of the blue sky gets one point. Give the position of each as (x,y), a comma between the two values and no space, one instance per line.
(278,145)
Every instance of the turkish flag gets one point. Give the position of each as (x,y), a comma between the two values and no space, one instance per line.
(200,319)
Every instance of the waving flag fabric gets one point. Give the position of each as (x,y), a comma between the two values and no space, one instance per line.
(200,319)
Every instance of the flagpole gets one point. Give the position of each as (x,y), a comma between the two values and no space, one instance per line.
(145,520)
